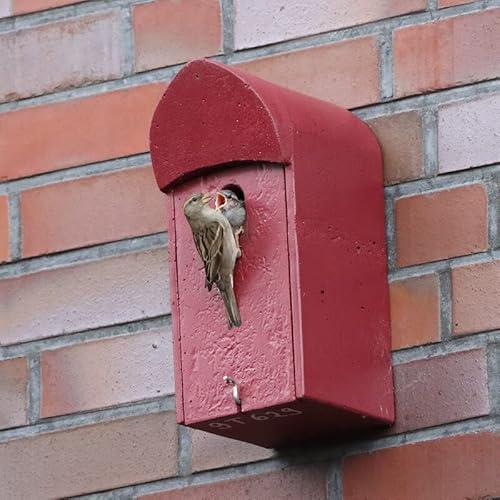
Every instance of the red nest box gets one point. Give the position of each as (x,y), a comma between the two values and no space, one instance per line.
(312,357)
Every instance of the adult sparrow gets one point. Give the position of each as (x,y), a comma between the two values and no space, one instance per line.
(217,248)
(234,210)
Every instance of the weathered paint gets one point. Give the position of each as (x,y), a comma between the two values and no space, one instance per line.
(313,353)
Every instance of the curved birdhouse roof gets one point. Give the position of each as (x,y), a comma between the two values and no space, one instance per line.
(212,115)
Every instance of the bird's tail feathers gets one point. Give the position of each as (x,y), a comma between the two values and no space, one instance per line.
(232,311)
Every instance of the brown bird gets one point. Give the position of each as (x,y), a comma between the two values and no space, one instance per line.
(233,208)
(217,248)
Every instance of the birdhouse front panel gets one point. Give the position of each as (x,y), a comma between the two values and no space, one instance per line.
(258,356)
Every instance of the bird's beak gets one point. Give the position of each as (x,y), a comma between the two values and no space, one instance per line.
(220,201)
(206,198)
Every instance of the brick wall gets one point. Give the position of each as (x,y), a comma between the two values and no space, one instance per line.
(86,389)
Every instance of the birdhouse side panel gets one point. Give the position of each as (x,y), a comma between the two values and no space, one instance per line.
(342,269)
(174,300)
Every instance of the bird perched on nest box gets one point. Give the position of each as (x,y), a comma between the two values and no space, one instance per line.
(216,245)
(234,210)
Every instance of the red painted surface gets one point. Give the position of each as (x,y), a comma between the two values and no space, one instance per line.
(312,282)
(258,356)
(208,116)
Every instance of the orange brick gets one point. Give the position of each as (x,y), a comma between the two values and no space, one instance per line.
(84,296)
(400,137)
(297,483)
(110,207)
(441,224)
(13,393)
(260,22)
(4,228)
(169,32)
(415,311)
(344,73)
(451,52)
(76,132)
(91,458)
(59,55)
(24,6)
(449,3)
(476,297)
(107,372)
(210,451)
(456,467)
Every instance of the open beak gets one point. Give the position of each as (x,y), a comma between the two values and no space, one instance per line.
(220,201)
(206,198)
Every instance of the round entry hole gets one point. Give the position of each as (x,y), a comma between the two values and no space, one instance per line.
(236,190)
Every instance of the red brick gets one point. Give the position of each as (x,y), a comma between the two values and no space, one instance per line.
(76,132)
(440,390)
(24,6)
(455,467)
(80,297)
(170,32)
(260,22)
(441,224)
(17,7)
(91,458)
(106,373)
(415,313)
(446,53)
(110,207)
(468,133)
(344,73)
(296,483)
(476,297)
(59,55)
(449,3)
(4,229)
(210,451)
(400,137)
(13,393)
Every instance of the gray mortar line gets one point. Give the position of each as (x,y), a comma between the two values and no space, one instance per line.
(386,65)
(82,419)
(75,173)
(493,365)
(15,242)
(228,18)
(34,396)
(84,255)
(457,344)
(33,347)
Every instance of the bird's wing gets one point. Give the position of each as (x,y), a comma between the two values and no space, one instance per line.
(209,243)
